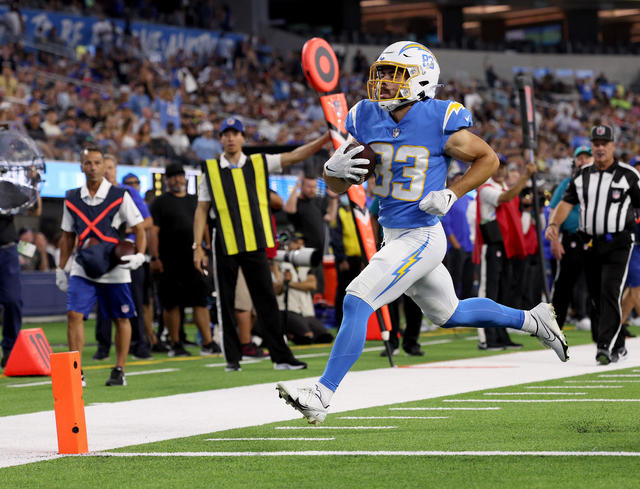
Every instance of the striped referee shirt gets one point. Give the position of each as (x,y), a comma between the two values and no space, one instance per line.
(607,198)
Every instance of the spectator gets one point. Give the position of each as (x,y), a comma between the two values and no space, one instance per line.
(50,124)
(179,284)
(205,146)
(294,286)
(36,256)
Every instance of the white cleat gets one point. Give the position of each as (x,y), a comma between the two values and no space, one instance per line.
(548,331)
(306,400)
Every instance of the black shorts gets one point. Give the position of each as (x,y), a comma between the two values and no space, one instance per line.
(184,288)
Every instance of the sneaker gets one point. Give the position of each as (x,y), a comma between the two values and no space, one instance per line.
(584,324)
(603,357)
(483,345)
(292,364)
(177,350)
(251,350)
(547,330)
(383,353)
(117,377)
(160,347)
(619,354)
(100,355)
(210,349)
(307,400)
(414,351)
(84,382)
(233,367)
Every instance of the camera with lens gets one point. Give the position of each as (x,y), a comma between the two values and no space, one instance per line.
(297,256)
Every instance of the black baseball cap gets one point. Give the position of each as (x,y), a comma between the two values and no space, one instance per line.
(174,169)
(602,132)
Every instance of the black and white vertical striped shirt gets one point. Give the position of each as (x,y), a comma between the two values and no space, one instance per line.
(607,198)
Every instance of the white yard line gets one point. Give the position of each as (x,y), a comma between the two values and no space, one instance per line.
(359,453)
(541,400)
(32,437)
(444,408)
(335,428)
(574,387)
(619,375)
(393,417)
(599,381)
(331,438)
(535,393)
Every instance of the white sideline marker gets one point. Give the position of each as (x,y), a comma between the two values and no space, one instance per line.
(157,371)
(535,393)
(575,387)
(30,384)
(336,427)
(541,400)
(316,453)
(393,417)
(444,409)
(599,381)
(271,439)
(619,375)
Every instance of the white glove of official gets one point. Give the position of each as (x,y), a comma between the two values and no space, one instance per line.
(438,202)
(342,165)
(133,261)
(62,281)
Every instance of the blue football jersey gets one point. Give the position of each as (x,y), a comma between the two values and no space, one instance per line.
(411,158)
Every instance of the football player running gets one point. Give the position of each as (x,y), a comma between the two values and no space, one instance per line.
(415,136)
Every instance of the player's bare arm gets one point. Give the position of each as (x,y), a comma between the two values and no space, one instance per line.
(465,146)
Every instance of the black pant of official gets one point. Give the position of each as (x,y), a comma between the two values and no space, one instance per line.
(413,321)
(569,271)
(257,274)
(606,270)
(499,286)
(345,277)
(139,344)
(461,268)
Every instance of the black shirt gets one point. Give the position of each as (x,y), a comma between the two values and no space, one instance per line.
(309,220)
(607,198)
(174,216)
(8,232)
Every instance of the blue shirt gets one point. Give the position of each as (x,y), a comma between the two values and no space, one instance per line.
(572,221)
(140,204)
(455,222)
(411,158)
(206,148)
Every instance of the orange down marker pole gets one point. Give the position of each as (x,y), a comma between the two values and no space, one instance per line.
(68,404)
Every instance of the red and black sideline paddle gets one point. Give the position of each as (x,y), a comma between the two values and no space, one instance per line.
(320,66)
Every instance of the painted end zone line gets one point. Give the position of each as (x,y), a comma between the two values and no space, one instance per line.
(315,453)
(444,409)
(541,400)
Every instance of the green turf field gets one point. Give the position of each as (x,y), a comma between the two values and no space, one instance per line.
(372,447)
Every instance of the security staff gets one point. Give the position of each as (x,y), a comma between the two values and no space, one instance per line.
(568,250)
(235,191)
(607,192)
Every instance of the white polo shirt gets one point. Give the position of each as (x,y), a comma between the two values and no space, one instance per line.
(273,165)
(128,213)
(489,195)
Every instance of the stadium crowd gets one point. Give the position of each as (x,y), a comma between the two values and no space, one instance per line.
(155,113)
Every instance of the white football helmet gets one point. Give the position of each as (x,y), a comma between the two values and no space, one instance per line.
(411,67)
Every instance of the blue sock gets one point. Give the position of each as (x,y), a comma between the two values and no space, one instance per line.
(480,312)
(349,342)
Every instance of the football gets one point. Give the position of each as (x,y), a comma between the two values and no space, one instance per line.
(123,248)
(368,154)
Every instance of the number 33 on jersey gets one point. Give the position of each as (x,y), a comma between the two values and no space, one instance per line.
(412,160)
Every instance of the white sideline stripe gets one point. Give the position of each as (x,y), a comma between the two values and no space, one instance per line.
(129,374)
(444,409)
(147,372)
(535,393)
(271,439)
(541,400)
(336,427)
(386,453)
(242,362)
(44,382)
(575,387)
(619,375)
(393,417)
(31,437)
(600,381)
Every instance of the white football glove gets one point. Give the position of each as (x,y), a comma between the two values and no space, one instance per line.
(342,165)
(62,281)
(438,202)
(133,261)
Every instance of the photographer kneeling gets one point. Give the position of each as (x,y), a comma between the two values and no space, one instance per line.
(294,285)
